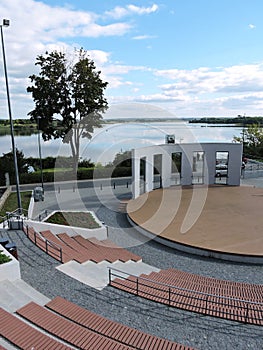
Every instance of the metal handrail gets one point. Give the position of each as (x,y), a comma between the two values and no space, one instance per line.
(181,288)
(203,296)
(17,213)
(4,221)
(47,242)
(43,214)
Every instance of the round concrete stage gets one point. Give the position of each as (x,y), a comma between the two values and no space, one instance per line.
(219,221)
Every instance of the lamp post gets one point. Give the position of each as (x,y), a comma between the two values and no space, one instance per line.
(40,156)
(6,23)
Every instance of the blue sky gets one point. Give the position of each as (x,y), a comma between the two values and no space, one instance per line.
(191,58)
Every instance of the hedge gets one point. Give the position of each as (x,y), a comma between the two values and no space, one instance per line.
(82,174)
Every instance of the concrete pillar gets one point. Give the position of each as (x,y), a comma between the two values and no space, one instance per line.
(187,159)
(149,173)
(234,165)
(166,169)
(135,174)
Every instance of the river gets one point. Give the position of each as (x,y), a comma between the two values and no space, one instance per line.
(119,137)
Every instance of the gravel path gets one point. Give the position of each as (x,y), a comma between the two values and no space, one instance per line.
(187,328)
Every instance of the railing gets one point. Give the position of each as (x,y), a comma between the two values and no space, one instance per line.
(4,221)
(197,179)
(51,248)
(43,214)
(16,214)
(252,169)
(231,308)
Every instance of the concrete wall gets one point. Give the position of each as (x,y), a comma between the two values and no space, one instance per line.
(4,197)
(205,176)
(31,207)
(100,233)
(10,270)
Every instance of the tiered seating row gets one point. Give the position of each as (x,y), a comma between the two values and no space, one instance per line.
(25,336)
(65,248)
(77,327)
(50,248)
(235,301)
(67,330)
(113,330)
(181,279)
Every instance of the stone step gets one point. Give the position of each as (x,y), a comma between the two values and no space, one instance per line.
(17,293)
(83,274)
(97,275)
(134,268)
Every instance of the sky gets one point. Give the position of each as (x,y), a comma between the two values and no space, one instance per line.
(189,58)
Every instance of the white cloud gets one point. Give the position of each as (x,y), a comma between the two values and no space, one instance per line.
(36,27)
(120,12)
(204,80)
(144,37)
(221,91)
(115,74)
(99,56)
(252,26)
(143,10)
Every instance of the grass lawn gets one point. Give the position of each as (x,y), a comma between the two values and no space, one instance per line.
(11,202)
(77,219)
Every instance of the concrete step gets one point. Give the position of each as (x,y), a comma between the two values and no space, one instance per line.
(15,294)
(133,268)
(83,274)
(129,267)
(35,295)
(97,275)
(6,345)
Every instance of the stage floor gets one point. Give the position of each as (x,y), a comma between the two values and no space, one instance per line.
(219,218)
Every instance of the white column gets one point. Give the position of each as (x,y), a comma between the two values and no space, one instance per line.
(135,174)
(166,168)
(187,160)
(234,164)
(149,173)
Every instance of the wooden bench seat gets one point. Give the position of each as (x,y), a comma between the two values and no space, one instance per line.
(68,252)
(25,336)
(218,299)
(109,253)
(70,332)
(89,254)
(41,242)
(111,329)
(208,285)
(108,244)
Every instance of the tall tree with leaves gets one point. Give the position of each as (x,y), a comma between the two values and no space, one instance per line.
(69,99)
(252,139)
(7,166)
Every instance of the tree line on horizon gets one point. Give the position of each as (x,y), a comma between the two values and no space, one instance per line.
(60,167)
(240,120)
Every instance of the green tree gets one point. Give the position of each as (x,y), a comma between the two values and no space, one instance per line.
(69,99)
(252,139)
(7,165)
(122,159)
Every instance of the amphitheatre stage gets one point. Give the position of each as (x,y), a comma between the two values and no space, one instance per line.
(218,221)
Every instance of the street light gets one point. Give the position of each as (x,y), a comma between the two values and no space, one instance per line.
(6,23)
(40,156)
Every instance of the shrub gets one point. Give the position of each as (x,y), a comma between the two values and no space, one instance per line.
(4,258)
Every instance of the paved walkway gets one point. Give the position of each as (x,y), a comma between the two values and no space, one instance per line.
(39,270)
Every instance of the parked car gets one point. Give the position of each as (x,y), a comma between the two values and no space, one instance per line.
(38,194)
(221,170)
